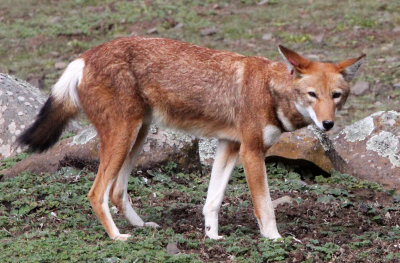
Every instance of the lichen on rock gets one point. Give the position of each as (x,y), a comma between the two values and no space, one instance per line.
(385,144)
(359,130)
(84,136)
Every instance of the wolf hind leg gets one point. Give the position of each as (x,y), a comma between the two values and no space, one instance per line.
(115,146)
(119,191)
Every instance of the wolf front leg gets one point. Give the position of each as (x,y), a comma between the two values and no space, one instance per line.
(224,162)
(254,167)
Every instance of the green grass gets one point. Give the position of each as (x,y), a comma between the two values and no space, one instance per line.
(48,218)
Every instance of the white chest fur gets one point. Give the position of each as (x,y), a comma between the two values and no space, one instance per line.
(271,134)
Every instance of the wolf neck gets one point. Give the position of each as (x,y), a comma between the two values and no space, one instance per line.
(289,117)
(285,99)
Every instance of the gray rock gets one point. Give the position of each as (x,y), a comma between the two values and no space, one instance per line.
(368,149)
(152,30)
(179,26)
(19,104)
(60,65)
(172,249)
(263,2)
(360,88)
(372,152)
(82,151)
(313,57)
(267,36)
(208,31)
(318,39)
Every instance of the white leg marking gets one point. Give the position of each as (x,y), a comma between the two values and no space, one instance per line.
(121,185)
(106,209)
(66,86)
(271,134)
(221,171)
(267,221)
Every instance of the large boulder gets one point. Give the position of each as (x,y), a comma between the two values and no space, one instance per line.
(19,104)
(371,148)
(82,151)
(301,145)
(368,149)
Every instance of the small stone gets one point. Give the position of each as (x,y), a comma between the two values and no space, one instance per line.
(152,30)
(387,47)
(178,26)
(60,65)
(396,85)
(396,29)
(318,39)
(282,200)
(388,216)
(55,19)
(208,31)
(263,2)
(267,36)
(360,88)
(172,249)
(54,53)
(313,57)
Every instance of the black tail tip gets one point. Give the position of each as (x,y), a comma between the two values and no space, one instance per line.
(46,129)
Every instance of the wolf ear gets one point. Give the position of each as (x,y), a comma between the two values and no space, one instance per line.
(295,63)
(348,68)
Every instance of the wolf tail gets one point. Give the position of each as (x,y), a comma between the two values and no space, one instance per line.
(62,105)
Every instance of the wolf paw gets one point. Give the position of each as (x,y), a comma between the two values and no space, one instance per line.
(151,224)
(122,237)
(215,237)
(274,237)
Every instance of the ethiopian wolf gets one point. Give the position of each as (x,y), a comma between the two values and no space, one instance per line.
(245,102)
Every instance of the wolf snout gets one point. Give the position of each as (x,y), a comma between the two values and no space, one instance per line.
(328,125)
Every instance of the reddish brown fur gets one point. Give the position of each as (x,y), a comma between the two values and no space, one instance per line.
(128,81)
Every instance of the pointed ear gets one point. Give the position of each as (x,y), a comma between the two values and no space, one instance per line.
(348,68)
(295,63)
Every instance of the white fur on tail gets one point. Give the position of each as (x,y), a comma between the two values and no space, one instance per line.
(66,86)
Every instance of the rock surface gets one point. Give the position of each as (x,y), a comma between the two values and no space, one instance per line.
(360,88)
(368,149)
(19,103)
(371,148)
(82,151)
(301,145)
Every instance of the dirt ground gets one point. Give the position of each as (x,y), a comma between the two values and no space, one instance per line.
(315,221)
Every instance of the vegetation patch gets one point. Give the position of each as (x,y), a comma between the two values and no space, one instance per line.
(48,218)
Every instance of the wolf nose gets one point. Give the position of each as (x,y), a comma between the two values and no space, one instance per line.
(328,125)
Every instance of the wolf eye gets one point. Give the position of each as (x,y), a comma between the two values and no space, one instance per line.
(312,94)
(336,95)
